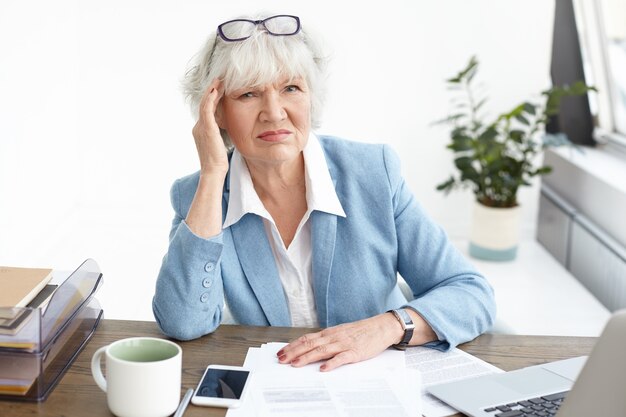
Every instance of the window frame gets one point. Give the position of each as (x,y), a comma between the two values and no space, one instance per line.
(594,42)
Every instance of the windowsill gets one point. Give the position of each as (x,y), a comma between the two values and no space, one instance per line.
(608,167)
(593,182)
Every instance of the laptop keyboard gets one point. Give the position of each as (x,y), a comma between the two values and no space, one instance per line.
(544,406)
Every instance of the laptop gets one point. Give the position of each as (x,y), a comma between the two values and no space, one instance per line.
(577,387)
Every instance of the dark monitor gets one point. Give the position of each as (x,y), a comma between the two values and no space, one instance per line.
(575,118)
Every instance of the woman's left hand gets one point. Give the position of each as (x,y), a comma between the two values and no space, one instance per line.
(346,343)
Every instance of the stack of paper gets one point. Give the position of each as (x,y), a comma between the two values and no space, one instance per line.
(438,367)
(379,387)
(391,384)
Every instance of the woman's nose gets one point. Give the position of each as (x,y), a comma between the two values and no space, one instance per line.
(273,109)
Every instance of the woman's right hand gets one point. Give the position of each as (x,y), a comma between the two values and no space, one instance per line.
(206,132)
(205,213)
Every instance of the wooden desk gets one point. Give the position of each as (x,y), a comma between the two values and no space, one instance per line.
(78,395)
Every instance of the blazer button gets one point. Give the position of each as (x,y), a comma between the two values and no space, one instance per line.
(210,266)
(206,283)
(204,297)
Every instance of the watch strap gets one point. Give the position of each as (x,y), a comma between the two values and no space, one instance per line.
(407,325)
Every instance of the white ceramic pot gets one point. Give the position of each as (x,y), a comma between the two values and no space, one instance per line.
(495,233)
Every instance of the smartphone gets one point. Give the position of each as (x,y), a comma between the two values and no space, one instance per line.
(222,386)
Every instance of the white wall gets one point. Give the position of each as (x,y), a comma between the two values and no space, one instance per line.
(93,128)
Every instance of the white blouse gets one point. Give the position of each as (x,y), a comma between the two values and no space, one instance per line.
(293,263)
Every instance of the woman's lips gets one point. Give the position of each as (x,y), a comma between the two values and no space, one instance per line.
(274,135)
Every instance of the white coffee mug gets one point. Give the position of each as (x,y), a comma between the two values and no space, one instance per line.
(143,376)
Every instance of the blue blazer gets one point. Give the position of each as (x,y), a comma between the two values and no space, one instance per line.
(355,259)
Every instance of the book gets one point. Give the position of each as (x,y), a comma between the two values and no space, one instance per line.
(41,300)
(13,319)
(18,286)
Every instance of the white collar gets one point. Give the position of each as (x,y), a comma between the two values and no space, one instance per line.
(320,190)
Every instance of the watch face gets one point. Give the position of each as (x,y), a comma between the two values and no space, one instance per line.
(405,317)
(407,325)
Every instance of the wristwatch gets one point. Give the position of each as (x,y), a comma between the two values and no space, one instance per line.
(407,325)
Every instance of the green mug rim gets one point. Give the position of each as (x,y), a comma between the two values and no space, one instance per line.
(172,351)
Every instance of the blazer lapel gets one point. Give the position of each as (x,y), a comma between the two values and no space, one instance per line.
(324,233)
(257,261)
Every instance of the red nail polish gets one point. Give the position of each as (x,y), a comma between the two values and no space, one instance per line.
(280,353)
(295,361)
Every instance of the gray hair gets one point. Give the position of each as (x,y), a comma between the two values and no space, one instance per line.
(258,60)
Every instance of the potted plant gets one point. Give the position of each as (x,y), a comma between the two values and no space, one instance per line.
(495,158)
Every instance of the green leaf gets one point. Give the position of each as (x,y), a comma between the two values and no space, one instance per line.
(488,135)
(461,142)
(463,163)
(555,94)
(480,104)
(471,66)
(579,88)
(449,119)
(446,185)
(522,119)
(458,130)
(542,171)
(466,74)
(471,73)
(529,108)
(517,135)
(517,111)
(476,125)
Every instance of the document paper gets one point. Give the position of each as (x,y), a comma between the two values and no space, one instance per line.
(438,367)
(379,387)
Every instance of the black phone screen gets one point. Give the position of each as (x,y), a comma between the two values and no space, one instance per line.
(223,383)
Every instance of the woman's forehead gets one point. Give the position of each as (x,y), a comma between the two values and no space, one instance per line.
(279,80)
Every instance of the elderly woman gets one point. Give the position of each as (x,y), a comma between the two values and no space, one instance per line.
(288,228)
